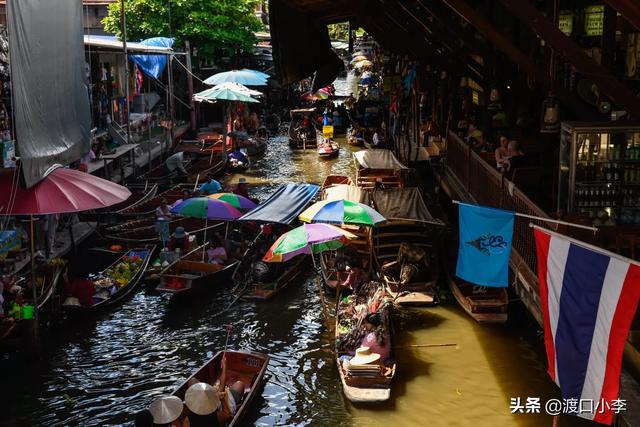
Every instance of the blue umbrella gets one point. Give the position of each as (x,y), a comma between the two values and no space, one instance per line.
(257,73)
(244,77)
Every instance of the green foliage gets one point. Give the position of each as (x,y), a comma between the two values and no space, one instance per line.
(227,25)
(339,31)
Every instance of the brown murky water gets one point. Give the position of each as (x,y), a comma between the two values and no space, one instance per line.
(101,372)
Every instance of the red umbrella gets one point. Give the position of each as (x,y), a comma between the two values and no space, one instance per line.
(62,191)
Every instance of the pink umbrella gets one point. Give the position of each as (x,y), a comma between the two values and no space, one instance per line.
(62,191)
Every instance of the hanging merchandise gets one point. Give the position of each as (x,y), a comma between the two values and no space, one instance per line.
(550,122)
(494,100)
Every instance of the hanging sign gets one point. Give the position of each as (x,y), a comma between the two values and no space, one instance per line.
(565,22)
(593,20)
(327,131)
(8,240)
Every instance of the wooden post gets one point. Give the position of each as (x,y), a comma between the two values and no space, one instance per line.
(192,105)
(629,9)
(123,23)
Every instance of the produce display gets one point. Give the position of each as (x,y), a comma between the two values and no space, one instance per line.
(119,274)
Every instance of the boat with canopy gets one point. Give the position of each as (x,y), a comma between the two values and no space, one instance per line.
(378,167)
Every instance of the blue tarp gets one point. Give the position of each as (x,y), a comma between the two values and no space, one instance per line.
(284,205)
(153,65)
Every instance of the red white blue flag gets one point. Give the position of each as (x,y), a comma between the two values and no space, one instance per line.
(589,297)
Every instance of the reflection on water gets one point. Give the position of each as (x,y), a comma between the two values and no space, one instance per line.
(100,372)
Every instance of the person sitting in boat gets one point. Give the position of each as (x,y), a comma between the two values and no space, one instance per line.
(377,338)
(166,411)
(179,240)
(176,163)
(210,186)
(241,188)
(216,254)
(356,133)
(203,403)
(355,276)
(163,211)
(305,126)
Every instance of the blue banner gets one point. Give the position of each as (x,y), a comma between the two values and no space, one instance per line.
(153,64)
(485,245)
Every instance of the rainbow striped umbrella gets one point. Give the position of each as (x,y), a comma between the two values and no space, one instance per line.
(341,212)
(206,208)
(306,239)
(235,200)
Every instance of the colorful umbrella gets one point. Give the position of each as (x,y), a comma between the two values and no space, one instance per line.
(235,200)
(244,77)
(62,191)
(305,239)
(342,212)
(225,93)
(316,96)
(206,208)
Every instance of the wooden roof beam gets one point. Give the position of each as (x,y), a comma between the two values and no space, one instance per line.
(629,9)
(565,47)
(472,16)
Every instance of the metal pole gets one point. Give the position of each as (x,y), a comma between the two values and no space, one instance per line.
(33,273)
(171,104)
(192,113)
(123,23)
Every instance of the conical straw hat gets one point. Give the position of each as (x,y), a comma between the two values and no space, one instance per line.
(202,399)
(166,409)
(364,356)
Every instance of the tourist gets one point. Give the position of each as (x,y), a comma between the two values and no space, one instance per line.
(166,411)
(216,254)
(144,418)
(203,402)
(231,399)
(163,211)
(179,240)
(516,158)
(210,186)
(377,338)
(176,162)
(502,154)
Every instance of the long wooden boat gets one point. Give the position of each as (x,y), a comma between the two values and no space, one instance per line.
(372,385)
(332,180)
(297,140)
(105,279)
(148,207)
(328,149)
(483,304)
(47,279)
(197,169)
(149,234)
(115,212)
(246,366)
(254,145)
(191,276)
(285,274)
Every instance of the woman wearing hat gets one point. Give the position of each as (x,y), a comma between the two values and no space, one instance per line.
(377,338)
(179,240)
(166,411)
(241,188)
(203,403)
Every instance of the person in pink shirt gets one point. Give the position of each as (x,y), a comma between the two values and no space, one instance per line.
(377,338)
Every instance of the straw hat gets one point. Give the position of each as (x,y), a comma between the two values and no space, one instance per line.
(363,356)
(166,409)
(202,399)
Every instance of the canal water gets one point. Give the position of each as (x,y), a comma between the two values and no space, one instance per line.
(100,372)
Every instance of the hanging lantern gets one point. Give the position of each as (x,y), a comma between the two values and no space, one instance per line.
(494,100)
(550,120)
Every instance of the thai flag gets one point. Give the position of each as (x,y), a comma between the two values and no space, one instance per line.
(589,298)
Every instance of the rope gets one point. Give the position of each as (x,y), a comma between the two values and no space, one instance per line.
(187,70)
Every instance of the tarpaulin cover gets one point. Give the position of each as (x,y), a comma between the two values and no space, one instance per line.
(378,159)
(153,65)
(402,204)
(348,192)
(284,205)
(50,96)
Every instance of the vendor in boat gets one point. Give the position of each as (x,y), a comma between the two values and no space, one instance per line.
(176,162)
(305,125)
(163,212)
(179,240)
(241,188)
(80,289)
(377,338)
(166,411)
(216,254)
(355,276)
(203,402)
(210,186)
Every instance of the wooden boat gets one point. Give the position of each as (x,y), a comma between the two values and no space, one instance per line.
(353,141)
(332,180)
(246,366)
(105,280)
(373,383)
(282,275)
(328,149)
(114,213)
(254,145)
(190,276)
(299,139)
(47,280)
(149,234)
(148,207)
(197,168)
(418,293)
(378,167)
(483,304)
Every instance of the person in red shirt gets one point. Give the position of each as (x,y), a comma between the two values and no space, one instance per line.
(82,289)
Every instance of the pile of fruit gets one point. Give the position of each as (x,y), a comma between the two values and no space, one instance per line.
(121,273)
